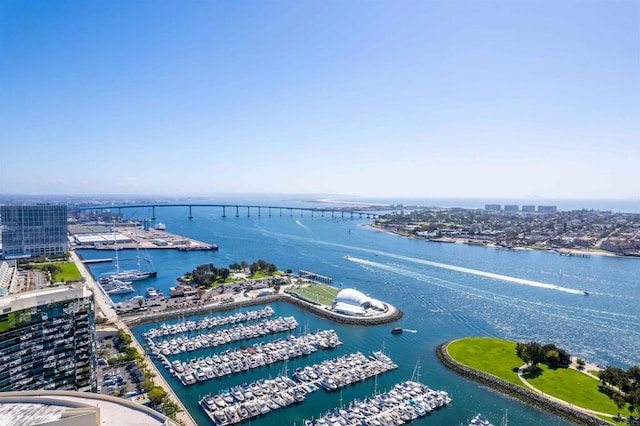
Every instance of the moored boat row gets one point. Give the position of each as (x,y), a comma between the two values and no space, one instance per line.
(247,401)
(208,322)
(333,374)
(404,403)
(258,355)
(180,344)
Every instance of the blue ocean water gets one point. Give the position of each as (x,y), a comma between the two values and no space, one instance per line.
(443,289)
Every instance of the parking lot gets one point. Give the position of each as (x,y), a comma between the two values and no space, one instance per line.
(122,379)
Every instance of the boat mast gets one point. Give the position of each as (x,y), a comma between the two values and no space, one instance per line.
(415,376)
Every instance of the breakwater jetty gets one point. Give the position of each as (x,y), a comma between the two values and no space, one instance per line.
(516,391)
(392,314)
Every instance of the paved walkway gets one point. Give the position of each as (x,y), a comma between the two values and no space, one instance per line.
(102,299)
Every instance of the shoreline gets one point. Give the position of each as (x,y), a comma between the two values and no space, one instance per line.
(561,251)
(510,389)
(393,314)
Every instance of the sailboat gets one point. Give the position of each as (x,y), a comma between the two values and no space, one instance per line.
(131,275)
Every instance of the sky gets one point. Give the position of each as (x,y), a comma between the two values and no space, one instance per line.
(382,98)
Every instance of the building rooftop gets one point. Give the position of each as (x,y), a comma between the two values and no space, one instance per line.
(28,413)
(75,408)
(40,297)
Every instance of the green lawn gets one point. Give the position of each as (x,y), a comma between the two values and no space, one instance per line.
(264,274)
(69,271)
(498,357)
(325,294)
(494,356)
(574,387)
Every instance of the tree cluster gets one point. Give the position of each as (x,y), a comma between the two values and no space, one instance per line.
(535,353)
(624,384)
(207,274)
(239,266)
(262,266)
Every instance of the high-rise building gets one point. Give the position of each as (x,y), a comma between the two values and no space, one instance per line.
(493,207)
(47,340)
(529,208)
(33,230)
(511,207)
(547,209)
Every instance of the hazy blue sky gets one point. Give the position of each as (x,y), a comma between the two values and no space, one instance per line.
(373,98)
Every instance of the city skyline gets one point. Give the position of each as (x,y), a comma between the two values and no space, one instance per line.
(417,100)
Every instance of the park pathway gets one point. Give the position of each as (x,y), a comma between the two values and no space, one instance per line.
(560,401)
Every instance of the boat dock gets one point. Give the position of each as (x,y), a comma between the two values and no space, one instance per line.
(258,355)
(312,276)
(208,322)
(240,332)
(244,402)
(105,260)
(406,402)
(337,373)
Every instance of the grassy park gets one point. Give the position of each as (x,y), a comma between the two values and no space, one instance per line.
(69,272)
(493,356)
(62,271)
(572,386)
(325,294)
(498,357)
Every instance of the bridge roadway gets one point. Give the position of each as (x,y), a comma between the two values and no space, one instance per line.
(334,211)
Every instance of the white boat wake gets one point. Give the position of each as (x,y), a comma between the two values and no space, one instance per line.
(476,272)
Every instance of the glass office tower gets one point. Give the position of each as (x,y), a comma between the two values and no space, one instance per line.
(33,230)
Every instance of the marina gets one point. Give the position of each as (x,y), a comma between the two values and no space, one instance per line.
(438,303)
(340,372)
(404,403)
(240,332)
(208,322)
(246,401)
(235,361)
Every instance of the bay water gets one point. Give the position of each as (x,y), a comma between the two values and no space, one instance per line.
(446,291)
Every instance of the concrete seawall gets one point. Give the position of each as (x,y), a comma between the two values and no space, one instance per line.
(393,313)
(516,391)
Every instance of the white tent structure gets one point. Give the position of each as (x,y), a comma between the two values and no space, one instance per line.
(353,302)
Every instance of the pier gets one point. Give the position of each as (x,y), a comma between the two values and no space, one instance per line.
(312,276)
(105,260)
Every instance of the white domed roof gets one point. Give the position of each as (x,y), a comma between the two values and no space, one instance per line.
(352,296)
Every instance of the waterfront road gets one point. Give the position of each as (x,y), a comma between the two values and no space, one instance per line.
(105,307)
(102,300)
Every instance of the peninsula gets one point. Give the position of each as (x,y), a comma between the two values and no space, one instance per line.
(547,377)
(577,233)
